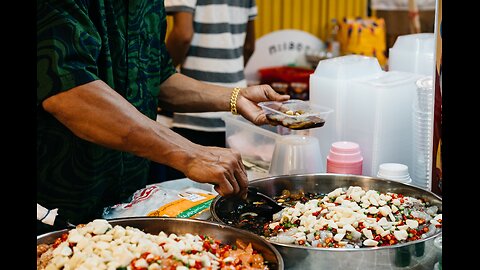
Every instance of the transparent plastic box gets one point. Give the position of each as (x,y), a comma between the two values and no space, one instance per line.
(295,114)
(255,143)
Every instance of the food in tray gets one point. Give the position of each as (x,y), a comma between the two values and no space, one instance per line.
(346,218)
(99,245)
(295,122)
(295,114)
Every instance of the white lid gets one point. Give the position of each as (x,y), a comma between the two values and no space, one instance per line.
(347,67)
(415,43)
(393,170)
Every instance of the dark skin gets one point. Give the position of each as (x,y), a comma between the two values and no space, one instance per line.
(178,42)
(96,113)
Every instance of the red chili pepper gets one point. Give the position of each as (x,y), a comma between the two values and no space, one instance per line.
(413,231)
(420,221)
(206,245)
(198,265)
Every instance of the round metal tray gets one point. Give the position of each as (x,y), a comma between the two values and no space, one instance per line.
(419,254)
(225,234)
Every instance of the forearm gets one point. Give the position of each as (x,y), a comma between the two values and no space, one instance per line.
(180,93)
(249,45)
(96,113)
(177,47)
(178,42)
(183,94)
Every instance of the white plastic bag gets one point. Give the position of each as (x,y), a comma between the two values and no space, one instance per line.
(155,200)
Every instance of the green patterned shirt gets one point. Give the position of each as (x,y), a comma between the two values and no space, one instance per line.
(120,42)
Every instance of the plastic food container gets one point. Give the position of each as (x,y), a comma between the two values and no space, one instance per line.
(255,143)
(295,114)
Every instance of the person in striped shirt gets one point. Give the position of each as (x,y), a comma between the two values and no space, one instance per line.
(211,41)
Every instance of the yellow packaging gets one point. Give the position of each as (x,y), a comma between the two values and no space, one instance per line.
(363,36)
(189,205)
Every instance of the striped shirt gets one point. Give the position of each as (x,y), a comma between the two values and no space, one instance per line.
(216,50)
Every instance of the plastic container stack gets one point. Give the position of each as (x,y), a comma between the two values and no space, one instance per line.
(413,53)
(423,133)
(370,106)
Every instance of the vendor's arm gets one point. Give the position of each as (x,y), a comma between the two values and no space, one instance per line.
(95,112)
(183,94)
(178,41)
(249,46)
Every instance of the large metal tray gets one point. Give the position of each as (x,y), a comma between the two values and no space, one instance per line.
(420,254)
(225,234)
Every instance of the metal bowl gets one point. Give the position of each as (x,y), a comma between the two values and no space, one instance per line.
(419,254)
(225,234)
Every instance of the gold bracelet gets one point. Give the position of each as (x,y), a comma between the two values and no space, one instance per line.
(233,100)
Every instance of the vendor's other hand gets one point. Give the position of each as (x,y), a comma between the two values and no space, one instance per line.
(249,97)
(221,167)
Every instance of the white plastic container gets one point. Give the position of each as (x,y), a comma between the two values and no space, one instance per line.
(329,86)
(413,53)
(370,107)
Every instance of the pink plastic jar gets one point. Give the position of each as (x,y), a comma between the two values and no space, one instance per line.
(345,157)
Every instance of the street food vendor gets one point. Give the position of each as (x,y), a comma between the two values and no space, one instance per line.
(102,71)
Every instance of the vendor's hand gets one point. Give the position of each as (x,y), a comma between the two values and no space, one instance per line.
(249,97)
(221,167)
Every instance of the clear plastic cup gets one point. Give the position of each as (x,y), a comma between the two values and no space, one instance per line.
(296,154)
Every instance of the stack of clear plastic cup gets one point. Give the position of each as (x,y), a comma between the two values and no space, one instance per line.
(296,154)
(423,132)
(394,171)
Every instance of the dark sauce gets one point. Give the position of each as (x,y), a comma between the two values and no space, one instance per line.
(253,214)
(295,123)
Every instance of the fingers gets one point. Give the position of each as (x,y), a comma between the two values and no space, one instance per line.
(242,176)
(263,92)
(231,178)
(273,95)
(243,185)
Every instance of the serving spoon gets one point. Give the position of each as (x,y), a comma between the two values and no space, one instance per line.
(269,208)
